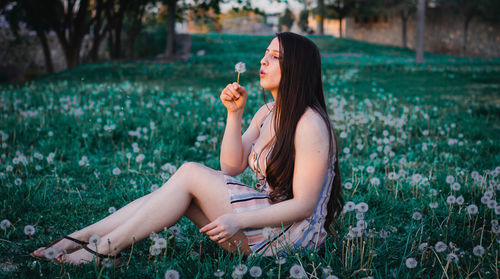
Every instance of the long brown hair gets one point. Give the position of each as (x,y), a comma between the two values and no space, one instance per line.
(300,87)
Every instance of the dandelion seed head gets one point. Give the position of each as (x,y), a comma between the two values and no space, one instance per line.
(450,179)
(472,209)
(348,185)
(50,253)
(174,230)
(460,200)
(370,169)
(452,257)
(422,246)
(95,240)
(5,224)
(280,260)
(154,250)
(107,262)
(255,271)
(29,230)
(240,269)
(362,207)
(240,67)
(375,181)
(478,250)
(411,263)
(116,171)
(297,271)
(349,206)
(161,242)
(417,216)
(172,274)
(111,209)
(450,199)
(455,186)
(440,246)
(219,273)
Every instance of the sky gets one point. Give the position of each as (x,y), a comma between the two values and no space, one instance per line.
(268,6)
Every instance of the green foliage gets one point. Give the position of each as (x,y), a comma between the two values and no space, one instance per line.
(286,20)
(421,122)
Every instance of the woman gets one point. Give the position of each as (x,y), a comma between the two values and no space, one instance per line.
(290,145)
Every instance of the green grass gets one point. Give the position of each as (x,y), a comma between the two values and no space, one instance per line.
(425,122)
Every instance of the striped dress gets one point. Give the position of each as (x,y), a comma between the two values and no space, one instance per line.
(271,241)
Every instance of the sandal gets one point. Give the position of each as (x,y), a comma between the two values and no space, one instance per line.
(82,243)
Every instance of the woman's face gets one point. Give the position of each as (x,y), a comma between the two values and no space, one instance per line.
(270,72)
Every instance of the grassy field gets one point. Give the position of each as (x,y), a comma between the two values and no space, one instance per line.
(419,157)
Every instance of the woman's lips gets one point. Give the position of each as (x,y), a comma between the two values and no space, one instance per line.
(262,73)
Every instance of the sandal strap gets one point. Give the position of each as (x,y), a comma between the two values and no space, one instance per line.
(102,256)
(75,240)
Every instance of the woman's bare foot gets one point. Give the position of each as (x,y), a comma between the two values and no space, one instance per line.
(62,246)
(83,256)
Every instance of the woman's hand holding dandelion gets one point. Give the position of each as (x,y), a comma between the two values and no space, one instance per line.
(234,97)
(222,228)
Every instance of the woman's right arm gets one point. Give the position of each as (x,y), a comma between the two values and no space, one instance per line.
(235,147)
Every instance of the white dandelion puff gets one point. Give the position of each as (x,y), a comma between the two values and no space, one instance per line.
(349,206)
(5,224)
(153,187)
(112,209)
(422,247)
(451,199)
(280,260)
(452,257)
(29,230)
(362,207)
(107,262)
(417,216)
(348,185)
(411,263)
(240,67)
(95,240)
(154,250)
(240,269)
(370,169)
(172,274)
(433,205)
(116,171)
(450,179)
(50,253)
(175,230)
(455,186)
(440,246)
(297,271)
(375,181)
(491,204)
(219,273)
(255,271)
(472,209)
(478,250)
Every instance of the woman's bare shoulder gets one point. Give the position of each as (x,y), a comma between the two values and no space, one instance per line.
(263,111)
(311,126)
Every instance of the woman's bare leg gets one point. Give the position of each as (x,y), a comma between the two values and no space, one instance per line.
(102,227)
(192,183)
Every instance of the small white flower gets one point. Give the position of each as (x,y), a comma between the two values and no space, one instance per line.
(240,67)
(422,246)
(343,135)
(417,216)
(154,250)
(346,150)
(360,216)
(492,204)
(112,209)
(116,171)
(255,271)
(161,242)
(472,209)
(175,230)
(362,207)
(95,240)
(450,199)
(50,253)
(450,179)
(172,274)
(478,250)
(18,181)
(370,169)
(140,158)
(485,199)
(411,263)
(5,224)
(349,206)
(375,181)
(153,187)
(280,260)
(29,230)
(219,273)
(297,271)
(455,186)
(393,176)
(240,269)
(440,246)
(348,185)
(452,257)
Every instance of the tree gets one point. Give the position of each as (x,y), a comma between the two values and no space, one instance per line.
(303,20)
(28,11)
(342,9)
(405,8)
(420,38)
(320,17)
(286,19)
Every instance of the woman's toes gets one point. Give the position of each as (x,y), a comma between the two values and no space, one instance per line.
(39,252)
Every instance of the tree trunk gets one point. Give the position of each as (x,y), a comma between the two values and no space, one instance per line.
(340,27)
(420,31)
(172,7)
(321,16)
(464,39)
(46,51)
(118,35)
(72,57)
(404,22)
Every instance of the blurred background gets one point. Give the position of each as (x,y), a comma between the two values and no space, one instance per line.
(39,37)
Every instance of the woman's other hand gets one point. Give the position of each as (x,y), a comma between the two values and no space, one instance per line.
(222,228)
(234,97)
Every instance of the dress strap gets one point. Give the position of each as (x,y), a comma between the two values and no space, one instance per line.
(267,115)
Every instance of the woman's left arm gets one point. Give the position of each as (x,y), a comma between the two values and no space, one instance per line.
(311,164)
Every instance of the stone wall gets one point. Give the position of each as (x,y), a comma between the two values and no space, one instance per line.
(443,33)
